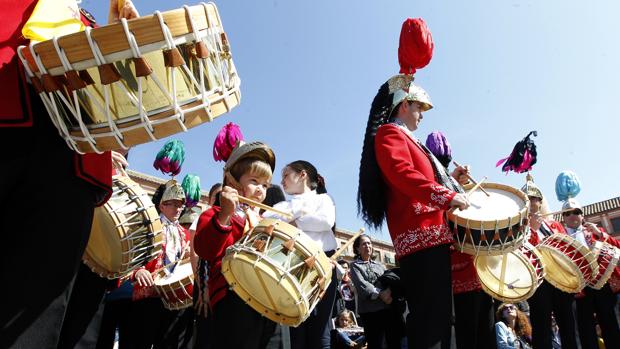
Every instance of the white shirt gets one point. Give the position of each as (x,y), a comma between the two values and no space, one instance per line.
(174,241)
(577,234)
(314,214)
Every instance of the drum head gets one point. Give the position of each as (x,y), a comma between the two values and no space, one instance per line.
(561,271)
(280,301)
(519,281)
(126,231)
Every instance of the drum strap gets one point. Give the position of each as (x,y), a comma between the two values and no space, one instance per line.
(544,230)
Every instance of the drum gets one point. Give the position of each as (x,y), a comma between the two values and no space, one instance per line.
(126,231)
(175,289)
(135,81)
(512,277)
(569,264)
(491,225)
(607,257)
(279,271)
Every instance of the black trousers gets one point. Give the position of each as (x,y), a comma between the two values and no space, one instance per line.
(153,325)
(115,315)
(82,323)
(314,333)
(549,299)
(427,280)
(381,325)
(45,222)
(602,303)
(474,325)
(237,325)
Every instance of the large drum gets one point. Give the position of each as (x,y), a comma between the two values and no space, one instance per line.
(512,277)
(175,289)
(126,231)
(491,225)
(135,81)
(607,257)
(569,264)
(279,271)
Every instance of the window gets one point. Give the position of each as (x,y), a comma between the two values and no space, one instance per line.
(615,223)
(389,258)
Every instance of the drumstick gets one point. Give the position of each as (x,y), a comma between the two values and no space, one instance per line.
(478,185)
(169,265)
(265,207)
(347,244)
(471,178)
(558,212)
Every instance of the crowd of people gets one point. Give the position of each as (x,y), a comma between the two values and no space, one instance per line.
(434,298)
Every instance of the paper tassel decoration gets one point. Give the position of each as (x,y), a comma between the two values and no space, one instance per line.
(567,185)
(523,156)
(191,187)
(170,158)
(438,144)
(225,141)
(415,48)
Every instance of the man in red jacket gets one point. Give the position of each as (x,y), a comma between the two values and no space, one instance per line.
(592,301)
(547,299)
(44,238)
(403,183)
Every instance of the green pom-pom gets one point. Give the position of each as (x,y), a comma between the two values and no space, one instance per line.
(191,186)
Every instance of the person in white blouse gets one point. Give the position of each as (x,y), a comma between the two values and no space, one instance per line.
(314,213)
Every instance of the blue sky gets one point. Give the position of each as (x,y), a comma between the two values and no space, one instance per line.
(500,69)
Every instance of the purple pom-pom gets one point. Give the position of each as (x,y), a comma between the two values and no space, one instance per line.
(438,144)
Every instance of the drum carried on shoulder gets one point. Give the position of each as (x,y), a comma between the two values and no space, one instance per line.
(126,231)
(135,81)
(175,289)
(279,271)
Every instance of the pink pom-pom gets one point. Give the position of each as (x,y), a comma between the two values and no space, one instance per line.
(226,140)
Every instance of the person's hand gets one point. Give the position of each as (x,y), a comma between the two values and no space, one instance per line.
(535,220)
(144,278)
(592,229)
(386,296)
(119,162)
(122,9)
(460,201)
(461,174)
(229,199)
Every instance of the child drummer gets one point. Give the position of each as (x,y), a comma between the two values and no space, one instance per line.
(247,172)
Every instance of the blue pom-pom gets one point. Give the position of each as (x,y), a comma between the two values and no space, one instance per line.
(567,185)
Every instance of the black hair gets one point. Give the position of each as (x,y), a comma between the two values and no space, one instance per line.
(316,181)
(157,195)
(274,195)
(357,243)
(371,190)
(214,188)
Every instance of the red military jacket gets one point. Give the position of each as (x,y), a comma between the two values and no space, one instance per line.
(553,226)
(210,243)
(464,275)
(16,108)
(415,201)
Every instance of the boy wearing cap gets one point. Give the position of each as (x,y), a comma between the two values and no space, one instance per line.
(151,322)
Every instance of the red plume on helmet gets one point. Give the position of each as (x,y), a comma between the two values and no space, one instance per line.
(416,46)
(226,140)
